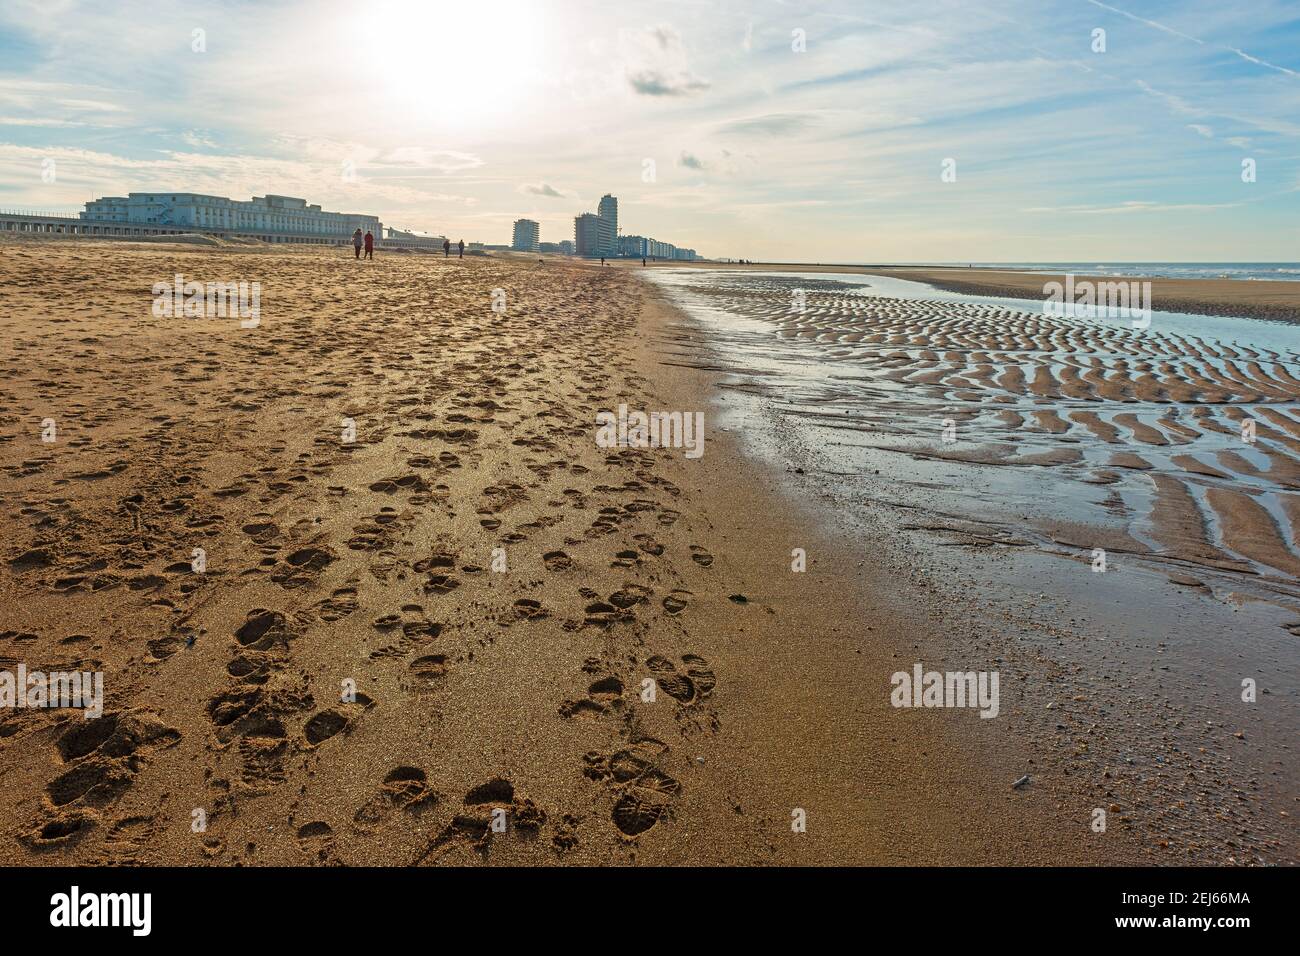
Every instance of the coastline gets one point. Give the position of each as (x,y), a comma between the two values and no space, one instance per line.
(917,787)
(1275,301)
(1015,593)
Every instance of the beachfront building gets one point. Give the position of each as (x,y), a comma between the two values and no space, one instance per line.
(526,237)
(635,247)
(597,235)
(607,210)
(273,218)
(417,240)
(586,234)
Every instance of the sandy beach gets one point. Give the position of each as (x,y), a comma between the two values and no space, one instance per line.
(429,600)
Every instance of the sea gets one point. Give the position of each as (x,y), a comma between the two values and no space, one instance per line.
(1280,271)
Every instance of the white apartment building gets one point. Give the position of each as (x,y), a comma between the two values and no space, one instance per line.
(267,216)
(527,236)
(607,227)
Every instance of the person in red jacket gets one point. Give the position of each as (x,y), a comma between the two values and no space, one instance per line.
(370,246)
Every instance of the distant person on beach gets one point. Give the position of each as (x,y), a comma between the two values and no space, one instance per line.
(461,245)
(643,262)
(356,243)
(602,260)
(370,246)
(446,248)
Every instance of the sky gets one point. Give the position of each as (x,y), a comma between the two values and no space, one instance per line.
(857,131)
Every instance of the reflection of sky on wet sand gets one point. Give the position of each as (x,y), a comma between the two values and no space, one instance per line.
(1032,459)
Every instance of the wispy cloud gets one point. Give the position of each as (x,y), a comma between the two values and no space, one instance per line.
(541,189)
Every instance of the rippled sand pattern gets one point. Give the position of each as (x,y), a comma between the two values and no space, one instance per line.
(1155,415)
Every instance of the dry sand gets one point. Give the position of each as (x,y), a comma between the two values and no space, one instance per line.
(372,562)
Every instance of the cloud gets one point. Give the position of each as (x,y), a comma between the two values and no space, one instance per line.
(1175,103)
(768,124)
(690,161)
(655,63)
(1254,59)
(654,83)
(443,160)
(1203,130)
(540,189)
(197,140)
(1150,23)
(1132,205)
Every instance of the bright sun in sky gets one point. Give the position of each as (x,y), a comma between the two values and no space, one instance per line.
(452,65)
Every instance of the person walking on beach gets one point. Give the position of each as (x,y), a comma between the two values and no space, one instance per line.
(370,246)
(602,260)
(643,262)
(446,248)
(461,244)
(356,243)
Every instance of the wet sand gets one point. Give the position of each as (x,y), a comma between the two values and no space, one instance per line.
(1278,301)
(1015,455)
(355,677)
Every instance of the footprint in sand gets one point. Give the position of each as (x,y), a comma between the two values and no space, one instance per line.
(693,681)
(629,596)
(338,605)
(529,610)
(328,723)
(416,629)
(263,630)
(700,556)
(316,839)
(648,544)
(302,566)
(261,531)
(603,695)
(557,561)
(398,483)
(644,793)
(105,754)
(428,671)
(676,602)
(472,825)
(404,788)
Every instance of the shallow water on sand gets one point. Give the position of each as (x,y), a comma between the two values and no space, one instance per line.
(1178,444)
(982,458)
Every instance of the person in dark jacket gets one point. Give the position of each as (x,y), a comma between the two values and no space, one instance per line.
(370,246)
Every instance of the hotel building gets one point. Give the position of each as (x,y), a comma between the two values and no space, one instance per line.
(271,218)
(527,236)
(586,235)
(608,226)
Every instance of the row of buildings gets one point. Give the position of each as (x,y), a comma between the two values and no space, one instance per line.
(264,216)
(269,218)
(527,237)
(287,219)
(596,235)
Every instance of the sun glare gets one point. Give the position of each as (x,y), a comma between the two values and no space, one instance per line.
(462,65)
